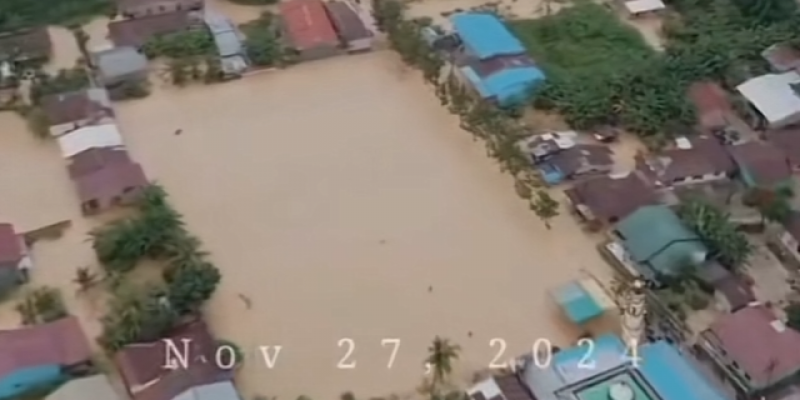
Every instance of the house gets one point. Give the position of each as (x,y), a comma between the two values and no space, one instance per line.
(494,62)
(308,29)
(42,354)
(782,57)
(608,199)
(95,387)
(141,367)
(788,140)
(543,146)
(753,349)
(66,112)
(88,137)
(661,372)
(730,291)
(711,104)
(638,8)
(350,27)
(774,98)
(30,45)
(145,8)
(15,258)
(120,65)
(502,387)
(658,241)
(136,32)
(761,164)
(697,160)
(229,41)
(105,177)
(580,160)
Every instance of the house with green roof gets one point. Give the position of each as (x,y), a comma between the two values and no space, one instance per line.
(658,242)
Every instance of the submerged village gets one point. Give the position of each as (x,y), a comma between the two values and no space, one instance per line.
(444,199)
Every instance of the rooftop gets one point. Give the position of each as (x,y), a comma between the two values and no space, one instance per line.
(773,96)
(485,35)
(711,104)
(60,342)
(307,24)
(611,198)
(759,343)
(27,44)
(662,374)
(761,163)
(136,32)
(701,155)
(76,106)
(347,23)
(119,62)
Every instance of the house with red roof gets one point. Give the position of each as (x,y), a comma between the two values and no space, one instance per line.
(309,29)
(193,373)
(15,260)
(39,355)
(754,350)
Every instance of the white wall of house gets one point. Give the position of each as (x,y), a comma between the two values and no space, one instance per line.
(693,180)
(789,243)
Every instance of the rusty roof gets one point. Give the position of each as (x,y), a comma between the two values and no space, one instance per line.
(144,362)
(706,156)
(72,107)
(611,199)
(789,141)
(60,342)
(763,347)
(136,32)
(569,161)
(95,159)
(27,44)
(347,23)
(110,181)
(307,24)
(10,246)
(711,104)
(766,164)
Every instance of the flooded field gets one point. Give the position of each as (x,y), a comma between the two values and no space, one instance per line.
(344,202)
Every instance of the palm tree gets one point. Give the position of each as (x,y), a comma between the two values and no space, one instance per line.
(441,354)
(85,278)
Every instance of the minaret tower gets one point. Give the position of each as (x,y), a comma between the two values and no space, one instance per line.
(633,313)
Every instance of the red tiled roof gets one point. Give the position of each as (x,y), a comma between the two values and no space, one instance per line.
(765,352)
(706,156)
(10,246)
(110,181)
(144,362)
(60,342)
(307,24)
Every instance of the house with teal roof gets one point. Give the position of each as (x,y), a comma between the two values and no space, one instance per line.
(658,242)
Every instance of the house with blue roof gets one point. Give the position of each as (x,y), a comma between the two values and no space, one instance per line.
(597,370)
(494,62)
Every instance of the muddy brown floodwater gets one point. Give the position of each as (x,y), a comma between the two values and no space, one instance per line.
(332,195)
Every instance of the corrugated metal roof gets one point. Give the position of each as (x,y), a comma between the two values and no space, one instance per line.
(89,137)
(486,35)
(120,61)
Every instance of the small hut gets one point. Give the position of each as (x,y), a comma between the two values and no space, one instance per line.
(586,304)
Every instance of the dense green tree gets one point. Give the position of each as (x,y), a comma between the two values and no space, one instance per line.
(722,237)
(66,80)
(41,305)
(773,204)
(136,314)
(190,285)
(793,315)
(17,14)
(184,44)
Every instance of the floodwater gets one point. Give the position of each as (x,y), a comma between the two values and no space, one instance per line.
(343,202)
(346,205)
